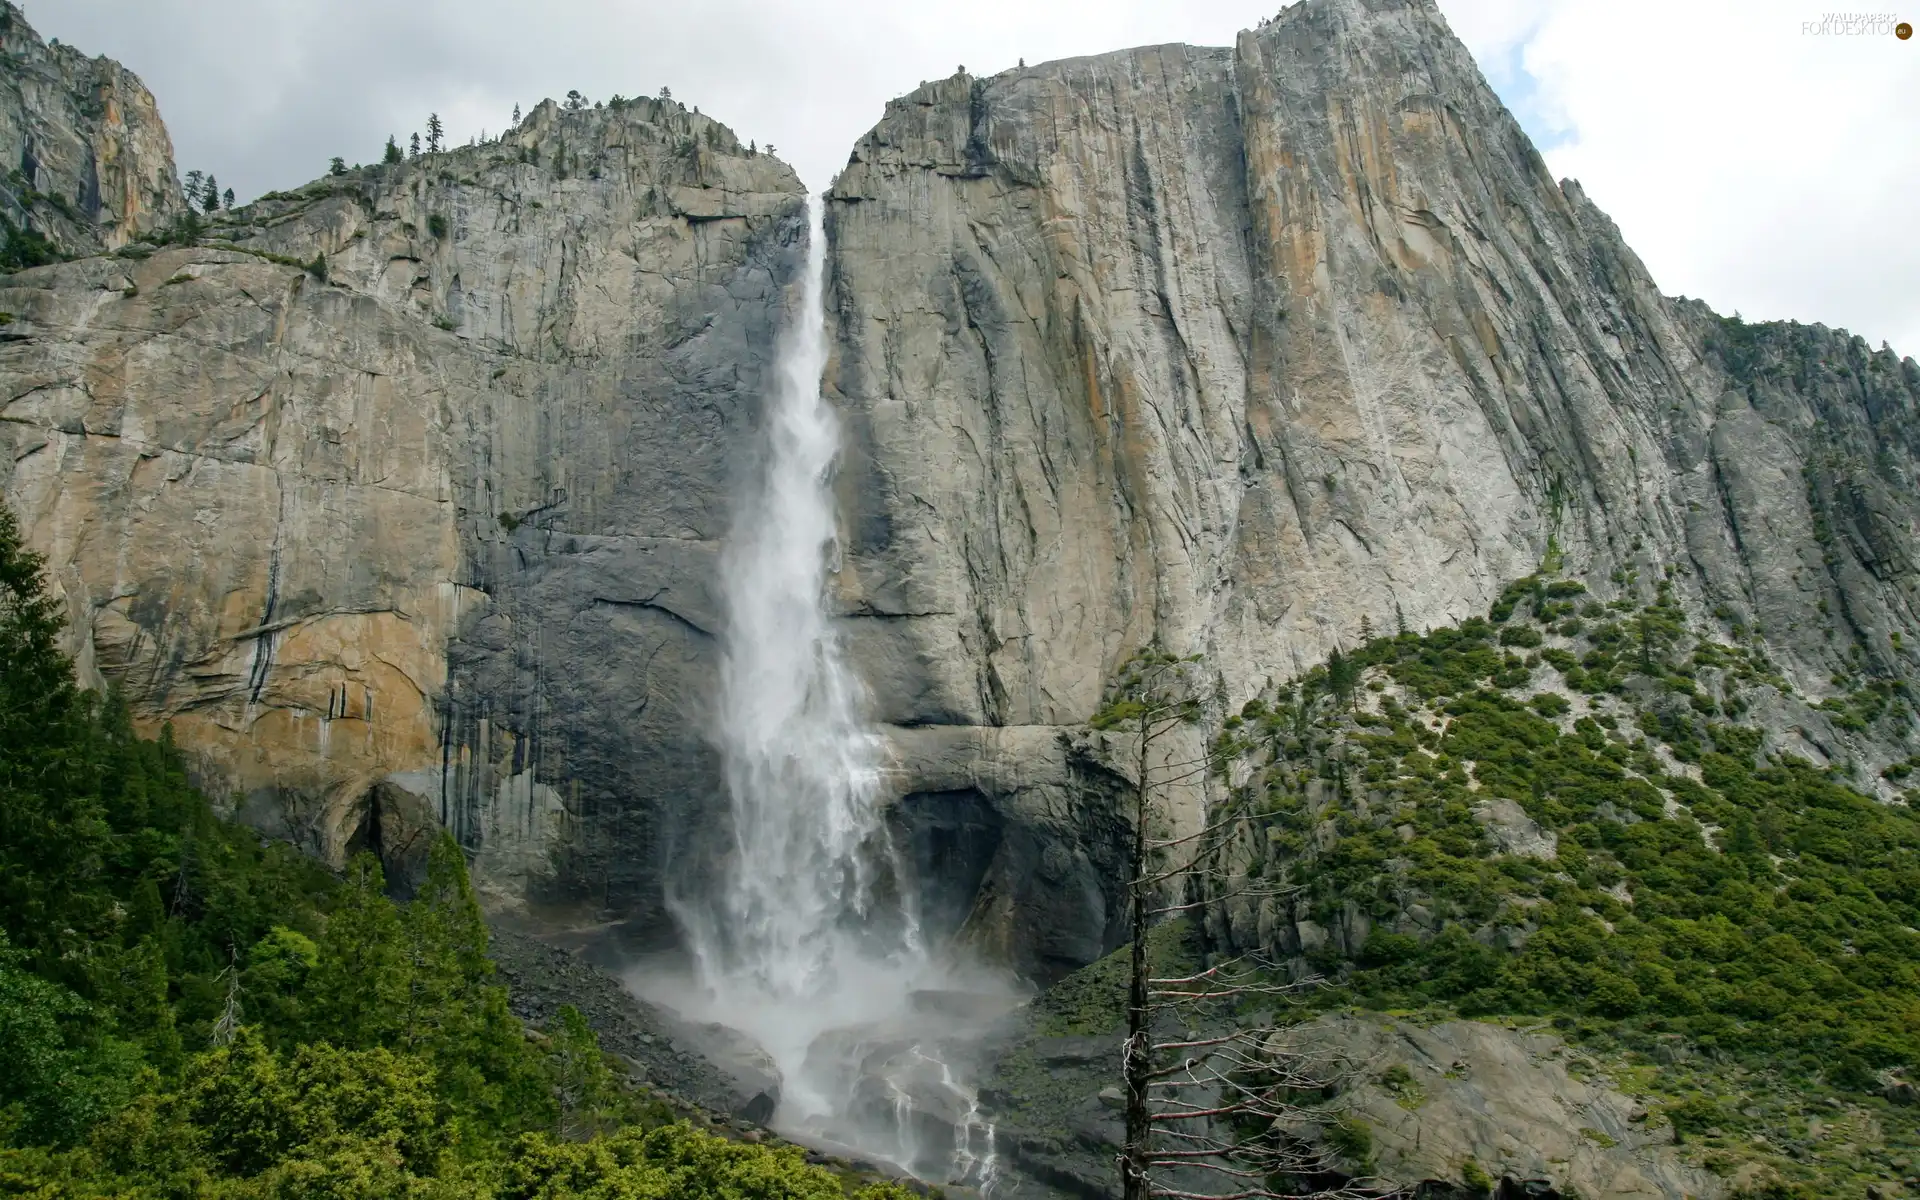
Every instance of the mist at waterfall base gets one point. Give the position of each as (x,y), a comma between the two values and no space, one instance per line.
(805,938)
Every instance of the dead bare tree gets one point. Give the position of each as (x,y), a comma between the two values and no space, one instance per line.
(228,1023)
(1215,1113)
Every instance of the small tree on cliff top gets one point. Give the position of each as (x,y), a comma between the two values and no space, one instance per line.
(1209,1095)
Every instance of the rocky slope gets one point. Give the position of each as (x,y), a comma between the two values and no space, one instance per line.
(1518,1103)
(398,495)
(1239,350)
(88,162)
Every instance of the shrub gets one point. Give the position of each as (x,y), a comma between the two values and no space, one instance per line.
(1549,704)
(21,248)
(1352,1139)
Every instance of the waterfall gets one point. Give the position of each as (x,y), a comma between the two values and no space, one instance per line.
(793,944)
(805,938)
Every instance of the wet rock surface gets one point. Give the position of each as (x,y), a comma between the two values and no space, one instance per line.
(540,978)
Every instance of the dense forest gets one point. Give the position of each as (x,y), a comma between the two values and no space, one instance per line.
(187,1010)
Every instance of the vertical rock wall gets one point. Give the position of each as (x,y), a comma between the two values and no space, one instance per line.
(1233,350)
(400,495)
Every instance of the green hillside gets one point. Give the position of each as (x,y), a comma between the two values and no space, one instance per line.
(188,1011)
(1566,811)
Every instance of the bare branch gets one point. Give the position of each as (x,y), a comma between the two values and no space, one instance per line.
(1222,823)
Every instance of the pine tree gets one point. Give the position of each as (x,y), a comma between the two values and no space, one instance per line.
(358,990)
(194,183)
(226,198)
(1399,620)
(392,154)
(450,1011)
(1342,675)
(666,93)
(584,1085)
(338,166)
(436,133)
(210,195)
(413,147)
(575,101)
(1366,630)
(51,821)
(516,116)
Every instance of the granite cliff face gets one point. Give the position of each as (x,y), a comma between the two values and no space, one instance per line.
(399,495)
(1236,349)
(87,162)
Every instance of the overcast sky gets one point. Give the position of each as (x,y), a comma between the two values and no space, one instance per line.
(1754,164)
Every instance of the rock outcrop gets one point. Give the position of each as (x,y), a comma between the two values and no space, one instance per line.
(1233,350)
(399,495)
(1440,1102)
(87,162)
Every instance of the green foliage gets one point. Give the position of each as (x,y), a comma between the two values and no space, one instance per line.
(1154,686)
(1765,910)
(186,1011)
(584,1085)
(21,248)
(437,225)
(671,1163)
(1093,1000)
(187,229)
(1549,704)
(1475,1177)
(1520,635)
(392,153)
(1352,1139)
(63,1071)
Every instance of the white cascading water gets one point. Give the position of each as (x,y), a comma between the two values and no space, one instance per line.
(809,944)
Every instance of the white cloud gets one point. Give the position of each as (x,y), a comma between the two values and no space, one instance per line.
(1751,165)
